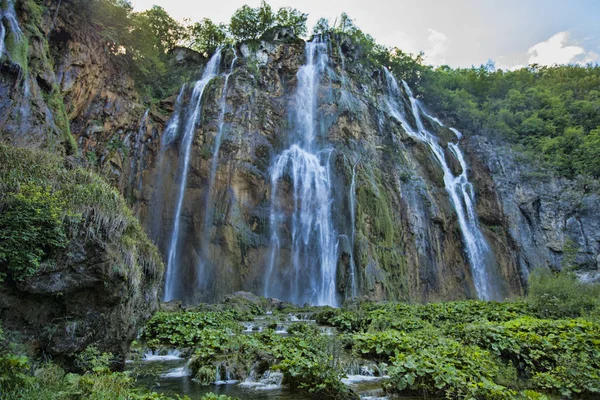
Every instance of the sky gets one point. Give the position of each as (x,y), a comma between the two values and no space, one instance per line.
(459,33)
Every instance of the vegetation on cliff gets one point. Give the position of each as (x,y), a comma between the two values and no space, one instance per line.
(551,113)
(45,204)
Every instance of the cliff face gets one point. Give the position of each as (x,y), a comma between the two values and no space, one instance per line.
(551,220)
(407,240)
(61,92)
(394,225)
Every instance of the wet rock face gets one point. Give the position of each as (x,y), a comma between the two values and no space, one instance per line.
(404,240)
(551,220)
(407,243)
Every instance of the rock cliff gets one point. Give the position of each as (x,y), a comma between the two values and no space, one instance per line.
(397,233)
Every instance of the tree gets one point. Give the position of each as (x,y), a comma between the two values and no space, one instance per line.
(321,27)
(168,31)
(205,36)
(249,23)
(293,19)
(346,25)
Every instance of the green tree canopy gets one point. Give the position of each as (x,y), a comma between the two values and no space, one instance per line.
(249,23)
(205,36)
(166,30)
(293,19)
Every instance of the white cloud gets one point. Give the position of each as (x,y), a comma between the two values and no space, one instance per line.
(437,47)
(558,50)
(434,47)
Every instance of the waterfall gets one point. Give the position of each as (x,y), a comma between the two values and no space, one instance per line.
(2,36)
(192,116)
(353,285)
(459,189)
(8,14)
(208,211)
(313,242)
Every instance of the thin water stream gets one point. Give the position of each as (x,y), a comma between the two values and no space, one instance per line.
(459,188)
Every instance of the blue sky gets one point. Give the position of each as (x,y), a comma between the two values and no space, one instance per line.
(459,33)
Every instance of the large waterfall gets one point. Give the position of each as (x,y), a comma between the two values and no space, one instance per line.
(459,189)
(190,116)
(310,262)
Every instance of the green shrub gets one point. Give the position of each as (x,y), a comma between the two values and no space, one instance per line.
(562,295)
(14,374)
(562,356)
(186,329)
(44,205)
(31,229)
(449,369)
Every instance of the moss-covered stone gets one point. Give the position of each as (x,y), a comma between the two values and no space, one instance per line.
(97,287)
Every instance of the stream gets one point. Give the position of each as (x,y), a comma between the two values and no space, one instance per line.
(166,371)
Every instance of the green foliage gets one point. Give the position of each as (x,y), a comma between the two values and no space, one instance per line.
(166,30)
(186,329)
(91,360)
(205,36)
(60,205)
(321,27)
(249,23)
(562,295)
(293,19)
(562,355)
(55,102)
(552,111)
(449,368)
(31,230)
(14,373)
(17,47)
(212,396)
(20,380)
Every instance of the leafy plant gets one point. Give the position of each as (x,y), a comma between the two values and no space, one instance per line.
(31,229)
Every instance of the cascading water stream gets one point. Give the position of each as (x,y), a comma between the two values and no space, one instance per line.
(353,284)
(313,241)
(2,35)
(459,189)
(193,115)
(208,211)
(8,14)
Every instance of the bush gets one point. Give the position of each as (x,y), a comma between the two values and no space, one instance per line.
(186,329)
(562,295)
(44,205)
(561,355)
(31,229)
(449,368)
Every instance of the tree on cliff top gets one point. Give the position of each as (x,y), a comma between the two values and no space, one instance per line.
(205,36)
(249,23)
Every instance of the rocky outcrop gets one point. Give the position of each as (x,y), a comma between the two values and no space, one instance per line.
(408,244)
(96,283)
(552,221)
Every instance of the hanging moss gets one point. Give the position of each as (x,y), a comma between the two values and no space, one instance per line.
(65,204)
(379,241)
(55,102)
(17,47)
